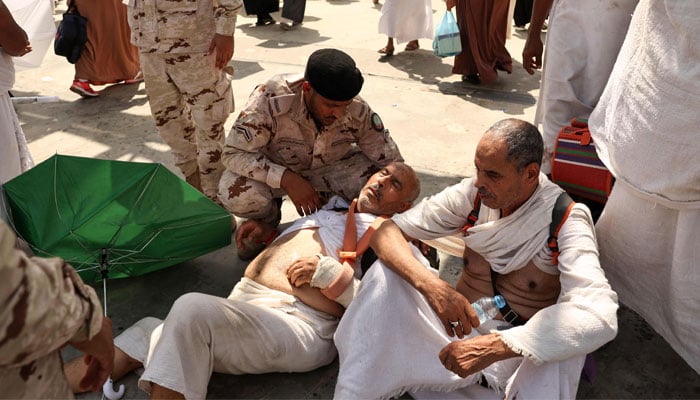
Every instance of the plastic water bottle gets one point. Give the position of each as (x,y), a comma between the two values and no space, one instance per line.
(487,307)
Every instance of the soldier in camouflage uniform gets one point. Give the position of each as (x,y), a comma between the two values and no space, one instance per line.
(184,48)
(300,136)
(45,305)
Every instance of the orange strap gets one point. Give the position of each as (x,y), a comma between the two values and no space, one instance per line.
(352,249)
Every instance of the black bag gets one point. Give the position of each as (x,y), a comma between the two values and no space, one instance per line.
(71,35)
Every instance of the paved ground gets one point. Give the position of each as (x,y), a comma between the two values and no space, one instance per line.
(435,119)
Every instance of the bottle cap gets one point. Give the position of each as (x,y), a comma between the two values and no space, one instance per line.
(500,301)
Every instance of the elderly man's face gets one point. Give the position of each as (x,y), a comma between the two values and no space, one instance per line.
(500,184)
(388,191)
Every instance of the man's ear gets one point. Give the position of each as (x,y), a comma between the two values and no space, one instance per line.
(532,172)
(306,87)
(405,206)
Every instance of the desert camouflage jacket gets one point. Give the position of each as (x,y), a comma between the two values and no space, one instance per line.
(180,26)
(275,131)
(44,305)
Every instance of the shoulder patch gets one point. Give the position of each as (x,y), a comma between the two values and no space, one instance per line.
(377,123)
(245,131)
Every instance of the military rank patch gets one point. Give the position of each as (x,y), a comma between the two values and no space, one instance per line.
(377,123)
(245,131)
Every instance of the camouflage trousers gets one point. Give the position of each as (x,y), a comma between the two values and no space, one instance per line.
(247,198)
(190,101)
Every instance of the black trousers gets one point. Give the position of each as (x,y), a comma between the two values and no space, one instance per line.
(294,10)
(255,7)
(522,12)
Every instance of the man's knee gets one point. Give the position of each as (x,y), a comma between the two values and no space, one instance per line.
(244,197)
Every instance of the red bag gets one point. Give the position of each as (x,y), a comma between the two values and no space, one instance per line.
(576,166)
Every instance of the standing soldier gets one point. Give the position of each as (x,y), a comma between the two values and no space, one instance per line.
(184,48)
(304,137)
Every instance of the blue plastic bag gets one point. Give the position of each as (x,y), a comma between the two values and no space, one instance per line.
(447,42)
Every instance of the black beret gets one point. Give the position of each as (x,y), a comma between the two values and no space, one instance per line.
(333,75)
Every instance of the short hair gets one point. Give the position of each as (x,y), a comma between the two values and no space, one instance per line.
(413,195)
(523,141)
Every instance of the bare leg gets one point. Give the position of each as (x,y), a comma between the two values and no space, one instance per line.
(75,369)
(389,48)
(159,392)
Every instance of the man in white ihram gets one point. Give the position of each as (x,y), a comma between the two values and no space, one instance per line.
(397,335)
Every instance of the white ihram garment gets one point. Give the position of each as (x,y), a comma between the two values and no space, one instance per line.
(406,20)
(647,132)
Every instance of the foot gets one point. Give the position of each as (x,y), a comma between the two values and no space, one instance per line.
(375,1)
(520,27)
(286,26)
(265,20)
(473,79)
(412,45)
(83,89)
(386,50)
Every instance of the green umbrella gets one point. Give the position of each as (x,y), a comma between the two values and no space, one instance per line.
(113,219)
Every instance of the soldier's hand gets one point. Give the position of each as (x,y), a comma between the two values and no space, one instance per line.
(303,195)
(222,47)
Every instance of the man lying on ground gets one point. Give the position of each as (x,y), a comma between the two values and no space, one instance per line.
(281,316)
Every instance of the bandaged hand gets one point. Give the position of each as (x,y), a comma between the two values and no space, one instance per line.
(302,270)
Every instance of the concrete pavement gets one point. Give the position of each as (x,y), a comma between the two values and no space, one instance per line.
(434,117)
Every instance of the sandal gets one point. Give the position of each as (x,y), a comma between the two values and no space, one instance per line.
(412,45)
(387,51)
(136,79)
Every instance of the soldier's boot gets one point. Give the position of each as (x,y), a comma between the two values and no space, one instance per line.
(194,180)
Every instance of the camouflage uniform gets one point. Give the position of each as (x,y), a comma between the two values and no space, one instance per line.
(190,98)
(275,132)
(45,304)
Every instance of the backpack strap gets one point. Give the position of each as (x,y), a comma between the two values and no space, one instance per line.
(560,212)
(473,216)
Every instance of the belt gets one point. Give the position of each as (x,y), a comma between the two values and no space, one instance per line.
(508,314)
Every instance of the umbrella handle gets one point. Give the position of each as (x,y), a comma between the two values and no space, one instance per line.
(108,390)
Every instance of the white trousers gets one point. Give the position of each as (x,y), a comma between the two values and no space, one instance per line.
(255,330)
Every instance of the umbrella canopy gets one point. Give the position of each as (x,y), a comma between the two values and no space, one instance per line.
(113,218)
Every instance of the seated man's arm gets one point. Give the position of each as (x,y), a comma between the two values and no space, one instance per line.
(391,246)
(585,315)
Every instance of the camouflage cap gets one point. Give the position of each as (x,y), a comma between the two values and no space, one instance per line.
(333,74)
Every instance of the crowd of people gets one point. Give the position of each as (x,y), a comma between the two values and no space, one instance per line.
(358,264)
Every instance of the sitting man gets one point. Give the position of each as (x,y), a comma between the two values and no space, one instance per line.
(560,308)
(301,136)
(273,320)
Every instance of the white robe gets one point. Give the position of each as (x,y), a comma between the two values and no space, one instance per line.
(646,130)
(406,20)
(583,39)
